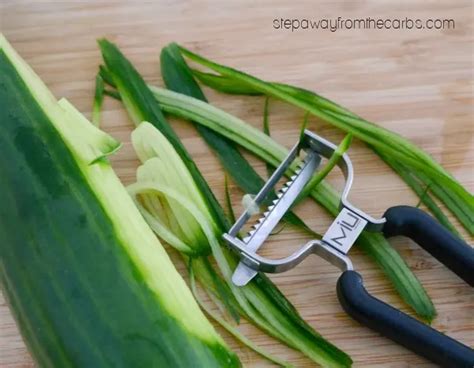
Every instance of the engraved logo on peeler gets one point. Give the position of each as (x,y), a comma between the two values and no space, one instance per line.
(344,231)
(346,226)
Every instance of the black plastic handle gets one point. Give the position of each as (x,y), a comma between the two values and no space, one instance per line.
(433,237)
(400,327)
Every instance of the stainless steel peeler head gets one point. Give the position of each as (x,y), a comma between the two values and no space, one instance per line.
(338,239)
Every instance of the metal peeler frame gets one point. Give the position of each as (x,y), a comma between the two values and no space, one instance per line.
(334,252)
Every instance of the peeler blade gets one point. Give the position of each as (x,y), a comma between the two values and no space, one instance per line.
(272,216)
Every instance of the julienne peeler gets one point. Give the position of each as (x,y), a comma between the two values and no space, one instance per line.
(338,240)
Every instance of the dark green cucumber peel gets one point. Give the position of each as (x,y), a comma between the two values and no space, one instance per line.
(77,296)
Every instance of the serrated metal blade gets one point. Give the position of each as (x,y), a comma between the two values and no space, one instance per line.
(243,274)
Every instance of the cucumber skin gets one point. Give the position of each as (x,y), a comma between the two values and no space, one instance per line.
(77,297)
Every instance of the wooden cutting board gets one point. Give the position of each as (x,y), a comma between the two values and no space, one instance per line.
(418,83)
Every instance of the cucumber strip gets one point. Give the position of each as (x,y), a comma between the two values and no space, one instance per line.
(98,100)
(89,283)
(331,164)
(421,192)
(223,83)
(228,201)
(230,328)
(266,129)
(217,288)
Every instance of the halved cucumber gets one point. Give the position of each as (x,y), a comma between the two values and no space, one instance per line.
(87,280)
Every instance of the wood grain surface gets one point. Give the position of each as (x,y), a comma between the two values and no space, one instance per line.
(418,83)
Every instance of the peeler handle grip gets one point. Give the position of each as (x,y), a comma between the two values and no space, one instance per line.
(433,237)
(398,326)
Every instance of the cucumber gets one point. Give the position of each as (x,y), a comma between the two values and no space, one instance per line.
(86,279)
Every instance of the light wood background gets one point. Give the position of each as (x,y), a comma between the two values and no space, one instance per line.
(417,83)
